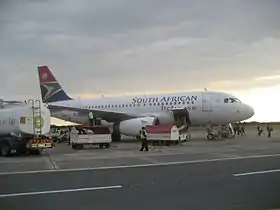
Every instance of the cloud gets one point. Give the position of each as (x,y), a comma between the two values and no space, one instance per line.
(272,77)
(138,46)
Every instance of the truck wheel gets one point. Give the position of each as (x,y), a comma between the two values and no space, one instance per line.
(107,145)
(34,152)
(100,146)
(5,150)
(80,146)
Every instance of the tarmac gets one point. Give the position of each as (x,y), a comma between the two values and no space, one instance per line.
(238,173)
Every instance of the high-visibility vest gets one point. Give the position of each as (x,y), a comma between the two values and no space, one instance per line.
(143,134)
(90,115)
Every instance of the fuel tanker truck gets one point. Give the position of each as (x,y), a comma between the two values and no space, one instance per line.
(24,127)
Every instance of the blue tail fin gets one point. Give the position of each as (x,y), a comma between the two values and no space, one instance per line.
(51,90)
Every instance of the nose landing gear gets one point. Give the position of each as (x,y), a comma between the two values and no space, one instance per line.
(116,135)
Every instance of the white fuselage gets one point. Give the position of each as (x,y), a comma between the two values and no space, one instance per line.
(203,106)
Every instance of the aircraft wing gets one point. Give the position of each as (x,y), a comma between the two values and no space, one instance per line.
(110,116)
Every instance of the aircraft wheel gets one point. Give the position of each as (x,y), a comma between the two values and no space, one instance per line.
(74,146)
(210,137)
(116,137)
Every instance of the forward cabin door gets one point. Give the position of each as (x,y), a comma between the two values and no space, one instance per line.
(207,99)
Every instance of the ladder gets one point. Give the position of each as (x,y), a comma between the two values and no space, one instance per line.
(36,116)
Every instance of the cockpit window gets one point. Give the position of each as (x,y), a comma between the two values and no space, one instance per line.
(231,100)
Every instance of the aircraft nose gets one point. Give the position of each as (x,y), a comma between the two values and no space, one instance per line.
(249,111)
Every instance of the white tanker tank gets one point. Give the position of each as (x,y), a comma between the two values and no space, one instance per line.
(24,127)
(19,119)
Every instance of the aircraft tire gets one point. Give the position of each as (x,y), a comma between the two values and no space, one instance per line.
(116,137)
(210,137)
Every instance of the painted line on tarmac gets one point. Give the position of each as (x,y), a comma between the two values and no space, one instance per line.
(257,172)
(60,191)
(141,165)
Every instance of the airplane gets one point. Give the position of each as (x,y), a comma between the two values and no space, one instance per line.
(126,115)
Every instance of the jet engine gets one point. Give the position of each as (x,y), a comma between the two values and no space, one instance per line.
(169,117)
(131,127)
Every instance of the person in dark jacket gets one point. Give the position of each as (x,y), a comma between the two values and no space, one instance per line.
(269,129)
(144,140)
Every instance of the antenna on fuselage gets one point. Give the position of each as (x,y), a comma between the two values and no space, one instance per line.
(205,89)
(102,96)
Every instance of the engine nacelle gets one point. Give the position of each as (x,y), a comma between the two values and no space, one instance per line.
(131,127)
(165,118)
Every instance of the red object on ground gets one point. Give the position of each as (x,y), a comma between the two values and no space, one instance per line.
(158,128)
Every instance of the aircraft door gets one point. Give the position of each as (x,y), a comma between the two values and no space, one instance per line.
(206,102)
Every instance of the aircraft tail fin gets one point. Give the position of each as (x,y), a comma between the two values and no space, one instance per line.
(51,90)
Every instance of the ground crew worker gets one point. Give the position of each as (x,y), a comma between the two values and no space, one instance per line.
(209,128)
(260,130)
(95,120)
(243,131)
(144,140)
(269,129)
(220,128)
(90,118)
(238,129)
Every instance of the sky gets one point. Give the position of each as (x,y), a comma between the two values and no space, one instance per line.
(143,46)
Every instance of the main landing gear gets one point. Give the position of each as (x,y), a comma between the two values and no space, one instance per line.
(116,135)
